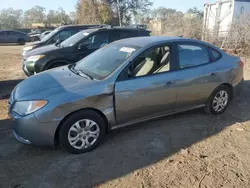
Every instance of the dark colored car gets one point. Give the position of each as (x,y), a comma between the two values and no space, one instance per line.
(13,36)
(75,48)
(59,34)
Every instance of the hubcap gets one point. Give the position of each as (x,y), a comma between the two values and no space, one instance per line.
(83,134)
(220,101)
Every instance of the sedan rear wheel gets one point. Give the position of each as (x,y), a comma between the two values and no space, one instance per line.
(218,101)
(82,131)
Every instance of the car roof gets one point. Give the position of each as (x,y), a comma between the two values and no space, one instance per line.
(113,28)
(154,40)
(14,31)
(77,26)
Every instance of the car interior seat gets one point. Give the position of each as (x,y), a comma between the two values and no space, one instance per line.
(146,65)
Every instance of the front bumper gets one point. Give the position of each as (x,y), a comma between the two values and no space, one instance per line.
(28,68)
(29,130)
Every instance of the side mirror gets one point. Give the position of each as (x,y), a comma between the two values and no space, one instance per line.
(58,41)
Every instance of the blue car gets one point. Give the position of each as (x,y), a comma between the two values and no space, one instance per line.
(12,36)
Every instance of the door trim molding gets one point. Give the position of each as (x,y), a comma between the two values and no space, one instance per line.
(155,117)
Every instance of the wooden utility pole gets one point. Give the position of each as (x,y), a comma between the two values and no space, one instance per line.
(119,13)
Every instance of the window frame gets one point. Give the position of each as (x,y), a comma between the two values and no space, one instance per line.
(58,33)
(91,35)
(123,77)
(4,33)
(114,31)
(211,60)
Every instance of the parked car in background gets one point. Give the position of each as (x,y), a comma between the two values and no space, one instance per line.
(38,37)
(59,34)
(123,83)
(44,34)
(75,48)
(12,36)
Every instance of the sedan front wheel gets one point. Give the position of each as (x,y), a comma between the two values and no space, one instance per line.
(82,132)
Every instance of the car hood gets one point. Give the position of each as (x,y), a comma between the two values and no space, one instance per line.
(33,43)
(35,35)
(42,50)
(50,83)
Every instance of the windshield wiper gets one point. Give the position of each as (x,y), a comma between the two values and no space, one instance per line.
(91,77)
(80,73)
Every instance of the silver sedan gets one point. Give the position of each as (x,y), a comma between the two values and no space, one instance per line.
(126,82)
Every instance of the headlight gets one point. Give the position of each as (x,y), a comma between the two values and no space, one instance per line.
(35,58)
(24,108)
(27,48)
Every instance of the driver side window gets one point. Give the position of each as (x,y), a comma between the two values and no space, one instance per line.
(153,61)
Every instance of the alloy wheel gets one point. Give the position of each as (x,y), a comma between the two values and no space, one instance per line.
(220,101)
(83,134)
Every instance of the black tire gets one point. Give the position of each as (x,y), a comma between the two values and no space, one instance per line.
(21,41)
(71,120)
(210,109)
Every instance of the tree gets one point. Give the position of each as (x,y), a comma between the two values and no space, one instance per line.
(105,11)
(164,13)
(130,8)
(10,18)
(58,16)
(94,12)
(35,15)
(195,11)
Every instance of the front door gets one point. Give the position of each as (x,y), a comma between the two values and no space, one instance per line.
(146,88)
(197,76)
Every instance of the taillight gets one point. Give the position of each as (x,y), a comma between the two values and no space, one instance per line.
(241,64)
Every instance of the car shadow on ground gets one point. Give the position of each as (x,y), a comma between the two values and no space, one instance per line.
(122,152)
(6,86)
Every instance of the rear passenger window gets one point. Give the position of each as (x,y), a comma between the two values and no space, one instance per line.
(118,35)
(215,55)
(192,55)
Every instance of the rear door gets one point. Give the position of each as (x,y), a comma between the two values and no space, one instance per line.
(197,75)
(12,36)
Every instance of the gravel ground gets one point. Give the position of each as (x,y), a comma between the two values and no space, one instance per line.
(191,149)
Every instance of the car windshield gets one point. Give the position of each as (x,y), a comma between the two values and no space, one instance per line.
(49,35)
(104,61)
(71,41)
